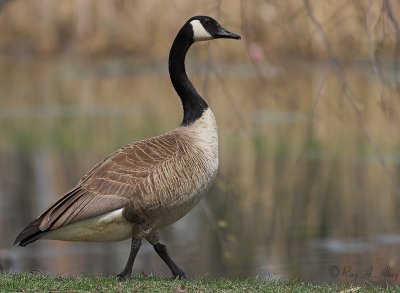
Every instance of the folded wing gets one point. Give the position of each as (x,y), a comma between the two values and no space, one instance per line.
(109,186)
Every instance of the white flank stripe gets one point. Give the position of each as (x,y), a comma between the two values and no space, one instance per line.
(108,227)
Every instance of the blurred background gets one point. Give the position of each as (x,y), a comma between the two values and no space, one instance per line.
(308,109)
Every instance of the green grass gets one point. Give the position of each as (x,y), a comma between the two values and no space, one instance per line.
(38,282)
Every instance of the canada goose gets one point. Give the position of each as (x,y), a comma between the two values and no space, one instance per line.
(148,184)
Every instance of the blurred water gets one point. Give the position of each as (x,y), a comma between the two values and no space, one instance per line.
(300,193)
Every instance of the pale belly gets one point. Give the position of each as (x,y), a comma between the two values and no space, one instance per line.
(108,227)
(112,226)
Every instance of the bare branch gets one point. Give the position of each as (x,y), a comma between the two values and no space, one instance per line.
(373,53)
(389,12)
(318,96)
(346,93)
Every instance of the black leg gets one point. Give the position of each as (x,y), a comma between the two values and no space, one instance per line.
(162,252)
(127,272)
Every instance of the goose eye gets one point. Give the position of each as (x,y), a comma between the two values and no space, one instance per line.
(207,21)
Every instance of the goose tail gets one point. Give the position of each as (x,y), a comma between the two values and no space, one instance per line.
(30,234)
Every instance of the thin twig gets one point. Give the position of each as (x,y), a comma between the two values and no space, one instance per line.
(373,53)
(318,96)
(389,12)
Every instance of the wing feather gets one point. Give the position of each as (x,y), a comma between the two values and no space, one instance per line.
(129,174)
(112,182)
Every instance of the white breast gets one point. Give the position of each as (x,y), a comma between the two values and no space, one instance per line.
(203,133)
(108,227)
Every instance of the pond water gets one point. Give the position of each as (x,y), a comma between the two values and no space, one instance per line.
(308,182)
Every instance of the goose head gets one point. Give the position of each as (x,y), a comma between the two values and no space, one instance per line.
(207,28)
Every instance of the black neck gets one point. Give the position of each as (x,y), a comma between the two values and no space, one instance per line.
(193,104)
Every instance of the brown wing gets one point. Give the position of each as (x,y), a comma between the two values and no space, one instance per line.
(111,183)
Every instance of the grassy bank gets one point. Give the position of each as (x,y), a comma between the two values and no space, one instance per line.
(37,282)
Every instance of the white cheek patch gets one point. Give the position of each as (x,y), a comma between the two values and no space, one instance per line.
(199,32)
